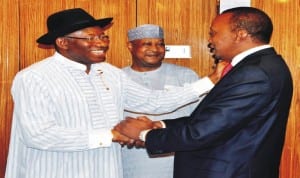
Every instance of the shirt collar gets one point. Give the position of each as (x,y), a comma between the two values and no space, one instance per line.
(67,62)
(243,54)
(157,70)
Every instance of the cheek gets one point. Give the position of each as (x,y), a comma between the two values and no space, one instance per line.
(162,50)
(81,48)
(137,54)
(222,42)
(140,52)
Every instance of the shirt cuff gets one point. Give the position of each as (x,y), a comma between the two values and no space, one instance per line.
(101,138)
(203,86)
(163,124)
(143,135)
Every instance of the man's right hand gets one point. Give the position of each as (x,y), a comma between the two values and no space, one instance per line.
(216,75)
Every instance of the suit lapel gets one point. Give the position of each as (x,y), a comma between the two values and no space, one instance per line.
(219,87)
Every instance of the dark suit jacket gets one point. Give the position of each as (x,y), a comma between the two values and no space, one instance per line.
(238,130)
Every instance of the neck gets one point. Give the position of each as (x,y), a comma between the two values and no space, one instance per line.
(144,68)
(88,68)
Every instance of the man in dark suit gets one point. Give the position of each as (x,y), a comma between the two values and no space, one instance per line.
(238,130)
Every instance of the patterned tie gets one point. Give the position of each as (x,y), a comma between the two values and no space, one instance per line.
(226,70)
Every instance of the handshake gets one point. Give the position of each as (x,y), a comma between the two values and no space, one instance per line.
(128,131)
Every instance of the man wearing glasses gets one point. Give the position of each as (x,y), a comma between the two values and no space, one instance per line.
(66,105)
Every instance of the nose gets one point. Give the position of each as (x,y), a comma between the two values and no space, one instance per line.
(154,47)
(101,43)
(157,48)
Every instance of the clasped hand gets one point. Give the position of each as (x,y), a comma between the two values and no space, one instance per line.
(128,130)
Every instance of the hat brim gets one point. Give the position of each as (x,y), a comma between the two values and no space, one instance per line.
(49,38)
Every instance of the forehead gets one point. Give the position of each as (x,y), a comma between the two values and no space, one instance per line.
(221,21)
(148,40)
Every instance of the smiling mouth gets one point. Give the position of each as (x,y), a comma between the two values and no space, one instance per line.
(211,47)
(98,52)
(152,55)
(212,51)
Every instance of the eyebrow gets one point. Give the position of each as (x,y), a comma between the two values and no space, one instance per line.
(91,33)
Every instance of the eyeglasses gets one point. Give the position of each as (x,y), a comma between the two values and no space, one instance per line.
(104,38)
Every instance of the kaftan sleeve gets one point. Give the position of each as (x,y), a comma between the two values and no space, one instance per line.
(142,100)
(35,114)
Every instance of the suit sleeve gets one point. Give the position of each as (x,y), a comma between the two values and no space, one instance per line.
(227,108)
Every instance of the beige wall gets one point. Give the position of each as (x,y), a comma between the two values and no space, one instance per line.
(185,22)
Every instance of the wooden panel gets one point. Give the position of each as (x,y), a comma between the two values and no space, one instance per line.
(33,24)
(285,16)
(9,54)
(185,22)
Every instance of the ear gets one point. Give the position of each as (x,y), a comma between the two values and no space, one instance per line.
(242,34)
(62,43)
(129,46)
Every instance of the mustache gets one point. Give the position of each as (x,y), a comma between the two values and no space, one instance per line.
(153,53)
(211,50)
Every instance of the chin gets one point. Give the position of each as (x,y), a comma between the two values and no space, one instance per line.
(99,60)
(101,57)
(102,60)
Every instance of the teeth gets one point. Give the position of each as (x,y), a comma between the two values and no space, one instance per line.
(98,51)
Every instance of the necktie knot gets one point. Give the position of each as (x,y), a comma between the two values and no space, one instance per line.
(226,70)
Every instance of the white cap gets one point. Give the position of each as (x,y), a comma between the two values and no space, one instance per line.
(145,31)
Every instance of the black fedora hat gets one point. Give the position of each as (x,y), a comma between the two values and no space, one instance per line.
(68,21)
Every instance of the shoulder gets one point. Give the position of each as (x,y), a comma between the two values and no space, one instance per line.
(36,69)
(32,76)
(126,69)
(179,70)
(177,67)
